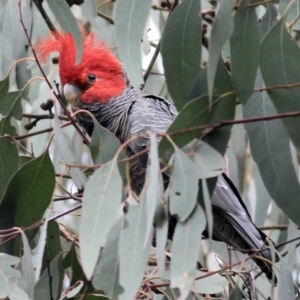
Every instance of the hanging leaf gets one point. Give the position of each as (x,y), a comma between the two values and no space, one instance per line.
(43,287)
(221,31)
(130,21)
(133,253)
(272,154)
(68,154)
(68,23)
(100,208)
(106,277)
(183,185)
(16,208)
(279,55)
(181,50)
(245,48)
(185,251)
(7,272)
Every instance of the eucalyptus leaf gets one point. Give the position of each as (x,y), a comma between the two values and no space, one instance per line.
(16,208)
(280,53)
(183,185)
(185,251)
(68,23)
(245,48)
(181,50)
(130,21)
(270,147)
(100,206)
(221,31)
(133,253)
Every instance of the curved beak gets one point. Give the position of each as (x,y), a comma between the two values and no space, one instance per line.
(71,93)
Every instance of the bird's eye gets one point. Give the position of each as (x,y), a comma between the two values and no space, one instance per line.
(91,78)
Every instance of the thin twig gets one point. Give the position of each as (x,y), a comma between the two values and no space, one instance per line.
(50,278)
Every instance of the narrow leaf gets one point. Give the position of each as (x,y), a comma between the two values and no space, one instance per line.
(106,274)
(272,154)
(221,31)
(43,287)
(130,20)
(183,186)
(133,255)
(208,161)
(280,53)
(68,23)
(7,272)
(153,187)
(185,251)
(9,160)
(67,152)
(181,50)
(16,208)
(100,207)
(245,48)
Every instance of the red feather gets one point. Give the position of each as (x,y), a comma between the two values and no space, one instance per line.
(96,59)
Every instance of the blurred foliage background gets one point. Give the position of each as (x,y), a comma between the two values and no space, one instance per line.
(231,69)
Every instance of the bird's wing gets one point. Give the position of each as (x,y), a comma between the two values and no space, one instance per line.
(156,117)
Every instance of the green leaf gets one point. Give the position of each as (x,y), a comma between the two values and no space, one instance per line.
(10,104)
(71,261)
(132,252)
(104,146)
(23,74)
(53,246)
(38,251)
(153,188)
(236,294)
(100,208)
(185,251)
(161,234)
(42,287)
(7,272)
(279,55)
(27,281)
(223,110)
(268,20)
(221,31)
(181,50)
(107,272)
(194,113)
(9,160)
(183,185)
(68,23)
(245,48)
(4,85)
(25,191)
(208,161)
(68,154)
(286,288)
(270,148)
(130,21)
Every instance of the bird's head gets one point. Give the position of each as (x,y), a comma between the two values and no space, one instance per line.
(97,78)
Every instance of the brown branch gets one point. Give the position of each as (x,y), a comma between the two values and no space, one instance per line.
(45,116)
(280,86)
